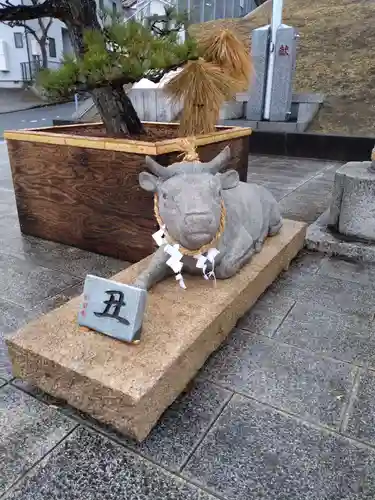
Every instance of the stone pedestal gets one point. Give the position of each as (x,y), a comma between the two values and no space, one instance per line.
(130,386)
(352,210)
(347,228)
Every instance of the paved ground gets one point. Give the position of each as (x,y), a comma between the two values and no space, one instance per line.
(285,410)
(17,99)
(30,118)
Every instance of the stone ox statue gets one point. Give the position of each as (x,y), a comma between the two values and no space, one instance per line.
(200,208)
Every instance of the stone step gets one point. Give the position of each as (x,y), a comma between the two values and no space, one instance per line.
(130,386)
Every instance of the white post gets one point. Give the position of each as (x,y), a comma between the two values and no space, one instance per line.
(277,14)
(76,103)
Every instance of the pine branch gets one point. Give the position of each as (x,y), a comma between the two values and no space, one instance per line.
(15,13)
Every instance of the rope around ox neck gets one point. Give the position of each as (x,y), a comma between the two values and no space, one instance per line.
(203,248)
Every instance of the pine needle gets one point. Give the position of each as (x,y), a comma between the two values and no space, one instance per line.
(203,88)
(224,49)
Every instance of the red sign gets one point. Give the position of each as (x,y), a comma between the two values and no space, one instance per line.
(284,50)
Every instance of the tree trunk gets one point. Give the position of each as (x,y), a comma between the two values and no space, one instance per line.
(116,109)
(117,112)
(43,52)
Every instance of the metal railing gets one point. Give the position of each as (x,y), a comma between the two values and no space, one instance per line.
(30,69)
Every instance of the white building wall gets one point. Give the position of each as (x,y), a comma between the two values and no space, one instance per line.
(10,73)
(12,57)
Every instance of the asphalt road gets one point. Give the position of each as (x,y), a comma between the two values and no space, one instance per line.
(39,117)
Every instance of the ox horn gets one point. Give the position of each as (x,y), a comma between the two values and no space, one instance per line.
(219,161)
(154,167)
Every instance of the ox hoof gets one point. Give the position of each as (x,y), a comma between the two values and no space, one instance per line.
(258,246)
(273,230)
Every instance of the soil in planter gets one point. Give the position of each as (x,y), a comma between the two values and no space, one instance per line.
(154,132)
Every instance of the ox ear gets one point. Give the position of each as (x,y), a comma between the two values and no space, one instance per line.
(148,182)
(229,179)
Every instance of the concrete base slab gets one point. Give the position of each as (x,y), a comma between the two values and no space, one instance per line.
(130,386)
(321,239)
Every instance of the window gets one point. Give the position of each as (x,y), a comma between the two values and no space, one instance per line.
(101,5)
(229,8)
(114,9)
(196,11)
(182,7)
(219,14)
(209,10)
(18,40)
(52,47)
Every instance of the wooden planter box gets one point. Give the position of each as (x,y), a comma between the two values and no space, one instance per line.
(76,186)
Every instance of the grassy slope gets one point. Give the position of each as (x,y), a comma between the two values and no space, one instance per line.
(335,57)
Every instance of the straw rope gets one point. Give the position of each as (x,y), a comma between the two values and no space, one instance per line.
(189,150)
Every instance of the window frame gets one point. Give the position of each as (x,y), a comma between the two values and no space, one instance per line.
(18,40)
(54,47)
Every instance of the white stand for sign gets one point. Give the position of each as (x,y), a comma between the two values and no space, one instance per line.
(273,51)
(277,13)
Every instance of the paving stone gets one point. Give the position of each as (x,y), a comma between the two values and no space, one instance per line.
(279,193)
(7,202)
(5,175)
(38,252)
(29,429)
(305,263)
(11,239)
(266,315)
(335,294)
(88,466)
(361,421)
(275,177)
(27,285)
(357,272)
(289,166)
(178,431)
(183,425)
(12,317)
(275,183)
(302,206)
(51,303)
(282,376)
(308,201)
(342,336)
(254,452)
(71,260)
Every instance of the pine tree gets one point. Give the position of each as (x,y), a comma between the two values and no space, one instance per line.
(120,54)
(109,56)
(81,18)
